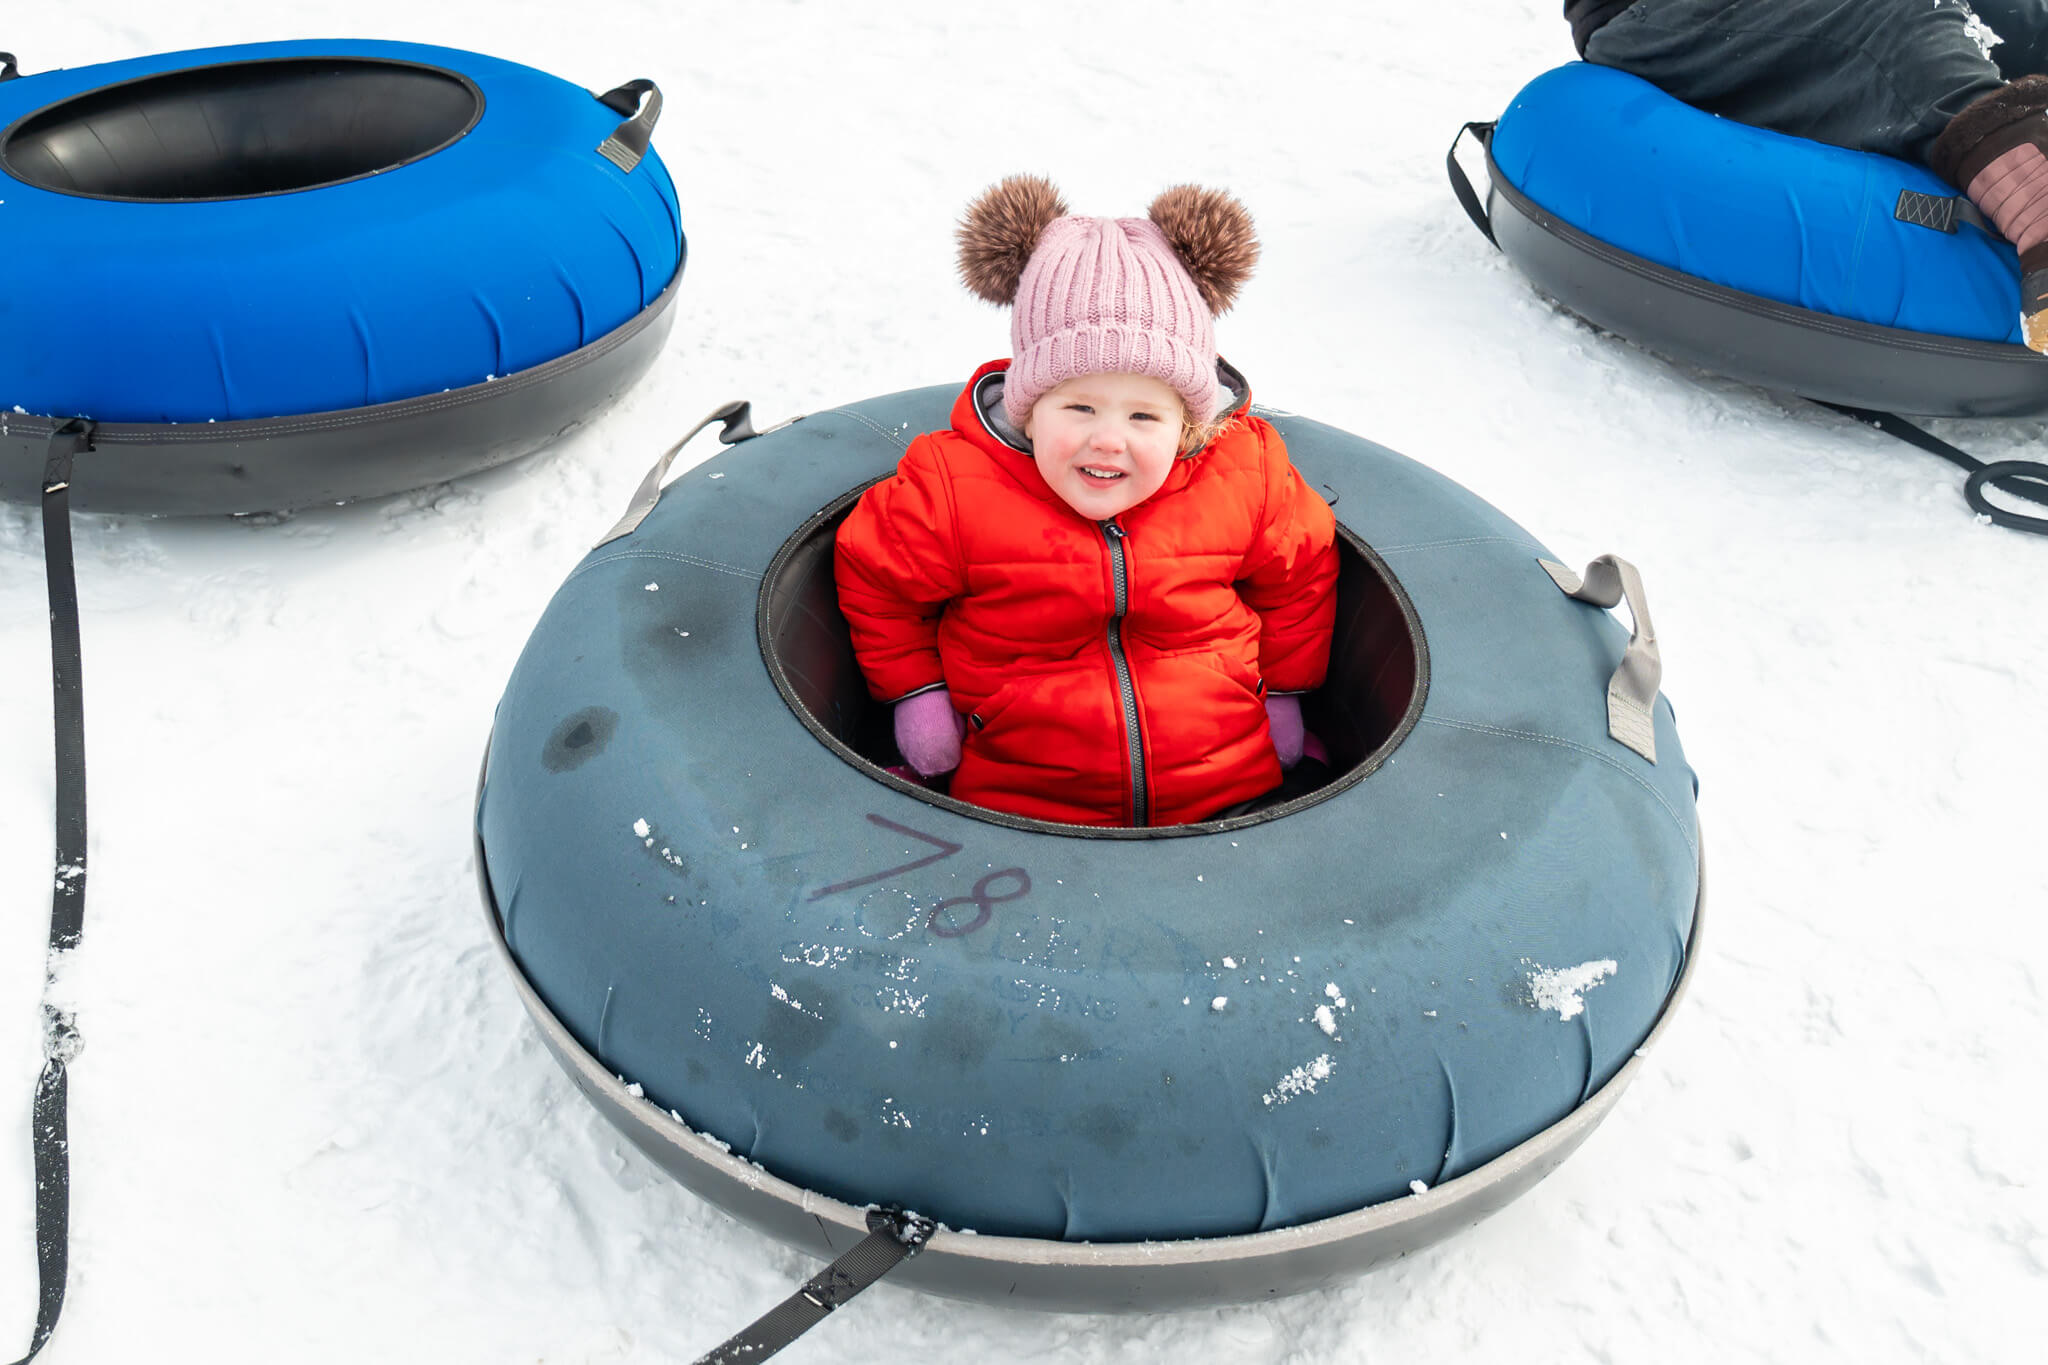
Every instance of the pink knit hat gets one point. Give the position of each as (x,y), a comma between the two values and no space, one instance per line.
(1108,295)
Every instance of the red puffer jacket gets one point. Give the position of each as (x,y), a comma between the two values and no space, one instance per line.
(1113,673)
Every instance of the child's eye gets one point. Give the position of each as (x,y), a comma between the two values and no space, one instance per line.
(1079,407)
(1144,417)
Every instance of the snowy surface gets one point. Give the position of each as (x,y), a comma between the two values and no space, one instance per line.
(312,1123)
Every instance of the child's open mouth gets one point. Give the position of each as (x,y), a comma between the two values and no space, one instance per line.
(1101,475)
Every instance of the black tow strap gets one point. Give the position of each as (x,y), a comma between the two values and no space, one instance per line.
(1462,187)
(2020,478)
(893,1237)
(67,898)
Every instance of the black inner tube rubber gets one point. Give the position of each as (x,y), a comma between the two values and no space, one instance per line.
(241,130)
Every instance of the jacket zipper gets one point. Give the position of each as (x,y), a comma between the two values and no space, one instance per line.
(1127,691)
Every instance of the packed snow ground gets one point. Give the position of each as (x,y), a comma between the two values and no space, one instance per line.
(312,1122)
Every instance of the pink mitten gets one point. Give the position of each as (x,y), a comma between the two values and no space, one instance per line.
(928,731)
(1283,719)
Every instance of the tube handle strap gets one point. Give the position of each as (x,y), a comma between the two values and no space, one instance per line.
(1462,187)
(739,426)
(894,1236)
(1632,691)
(630,140)
(8,69)
(1942,213)
(48,1133)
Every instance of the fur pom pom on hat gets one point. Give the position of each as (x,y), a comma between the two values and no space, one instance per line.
(1108,295)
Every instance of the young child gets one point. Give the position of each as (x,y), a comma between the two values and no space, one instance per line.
(1919,80)
(1097,597)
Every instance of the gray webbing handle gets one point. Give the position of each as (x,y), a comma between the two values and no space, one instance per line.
(630,140)
(739,426)
(1632,691)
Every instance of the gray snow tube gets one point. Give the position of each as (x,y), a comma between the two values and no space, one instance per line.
(1126,1069)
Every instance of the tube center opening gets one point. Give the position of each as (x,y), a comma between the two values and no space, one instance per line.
(1366,706)
(241,129)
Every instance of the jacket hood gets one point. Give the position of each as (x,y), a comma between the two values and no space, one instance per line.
(978,411)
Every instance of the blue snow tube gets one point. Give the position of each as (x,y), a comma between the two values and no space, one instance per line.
(1840,275)
(283,272)
(1146,1067)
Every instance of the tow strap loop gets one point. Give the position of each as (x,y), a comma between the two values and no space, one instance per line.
(67,898)
(1462,187)
(894,1236)
(2021,478)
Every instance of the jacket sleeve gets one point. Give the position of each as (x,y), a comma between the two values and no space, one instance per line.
(1290,575)
(896,564)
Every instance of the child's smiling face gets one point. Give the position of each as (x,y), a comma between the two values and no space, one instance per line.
(1106,442)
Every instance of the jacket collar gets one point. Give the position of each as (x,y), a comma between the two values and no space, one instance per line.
(978,411)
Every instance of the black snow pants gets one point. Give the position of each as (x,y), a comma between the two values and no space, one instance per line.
(1876,75)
